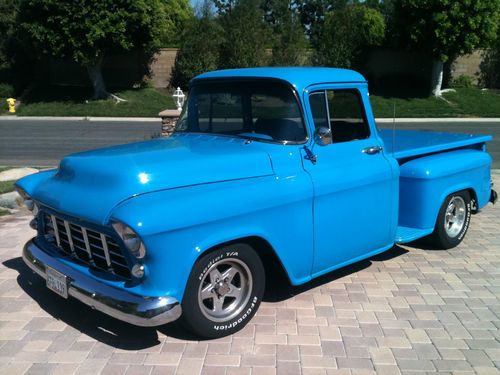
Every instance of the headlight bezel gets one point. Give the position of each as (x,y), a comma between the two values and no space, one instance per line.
(28,202)
(132,241)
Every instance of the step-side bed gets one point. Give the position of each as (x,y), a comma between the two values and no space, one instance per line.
(432,166)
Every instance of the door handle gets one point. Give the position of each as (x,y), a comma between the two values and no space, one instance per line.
(372,150)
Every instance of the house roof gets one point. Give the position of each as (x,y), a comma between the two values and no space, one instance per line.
(299,77)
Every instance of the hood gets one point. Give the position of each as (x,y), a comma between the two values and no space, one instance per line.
(90,184)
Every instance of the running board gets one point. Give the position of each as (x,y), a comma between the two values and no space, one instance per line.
(407,234)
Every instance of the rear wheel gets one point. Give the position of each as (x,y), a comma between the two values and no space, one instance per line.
(224,291)
(453,220)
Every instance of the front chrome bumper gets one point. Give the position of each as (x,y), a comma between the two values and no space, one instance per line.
(138,310)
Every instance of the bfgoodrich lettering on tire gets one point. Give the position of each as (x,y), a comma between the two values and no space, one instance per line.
(224,291)
(453,220)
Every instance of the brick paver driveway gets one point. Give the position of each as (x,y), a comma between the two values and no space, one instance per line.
(406,311)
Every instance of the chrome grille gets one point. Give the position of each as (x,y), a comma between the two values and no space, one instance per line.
(88,246)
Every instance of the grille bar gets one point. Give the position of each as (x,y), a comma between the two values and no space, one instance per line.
(105,248)
(56,230)
(93,248)
(86,240)
(70,238)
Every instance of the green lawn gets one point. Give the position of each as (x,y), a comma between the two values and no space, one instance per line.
(71,101)
(462,103)
(147,102)
(6,186)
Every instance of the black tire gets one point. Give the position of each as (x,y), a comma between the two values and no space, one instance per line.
(221,313)
(441,237)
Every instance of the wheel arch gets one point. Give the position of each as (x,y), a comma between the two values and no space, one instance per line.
(473,198)
(263,248)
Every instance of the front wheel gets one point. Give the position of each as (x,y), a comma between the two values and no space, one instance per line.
(224,291)
(453,220)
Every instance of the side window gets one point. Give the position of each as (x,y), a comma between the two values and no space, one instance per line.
(318,108)
(345,114)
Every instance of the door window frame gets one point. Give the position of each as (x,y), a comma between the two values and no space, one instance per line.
(361,102)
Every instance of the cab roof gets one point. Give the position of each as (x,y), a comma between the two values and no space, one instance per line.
(298,77)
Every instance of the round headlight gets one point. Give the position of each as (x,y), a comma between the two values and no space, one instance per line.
(30,205)
(131,240)
(27,201)
(138,270)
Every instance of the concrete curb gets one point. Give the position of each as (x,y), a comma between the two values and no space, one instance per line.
(76,118)
(154,119)
(444,119)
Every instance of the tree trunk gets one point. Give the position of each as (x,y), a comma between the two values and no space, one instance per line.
(95,74)
(437,77)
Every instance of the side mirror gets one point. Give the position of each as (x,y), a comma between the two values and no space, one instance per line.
(323,136)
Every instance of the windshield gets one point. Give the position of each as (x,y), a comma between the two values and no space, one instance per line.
(261,110)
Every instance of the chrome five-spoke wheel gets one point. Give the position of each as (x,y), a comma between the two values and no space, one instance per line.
(453,220)
(225,290)
(455,216)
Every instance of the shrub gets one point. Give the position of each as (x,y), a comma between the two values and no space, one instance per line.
(6,90)
(462,82)
(489,75)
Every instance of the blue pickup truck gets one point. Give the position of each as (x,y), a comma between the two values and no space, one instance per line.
(266,166)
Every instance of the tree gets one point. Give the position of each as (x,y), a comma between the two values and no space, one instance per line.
(245,35)
(446,29)
(312,16)
(346,33)
(199,48)
(289,43)
(224,6)
(177,16)
(8,14)
(86,31)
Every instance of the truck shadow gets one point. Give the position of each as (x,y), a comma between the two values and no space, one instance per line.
(81,317)
(282,289)
(125,336)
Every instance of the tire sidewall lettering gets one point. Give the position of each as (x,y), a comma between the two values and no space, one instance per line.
(226,254)
(241,319)
(466,224)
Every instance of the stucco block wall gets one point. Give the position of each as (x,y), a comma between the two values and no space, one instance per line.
(161,68)
(125,69)
(467,65)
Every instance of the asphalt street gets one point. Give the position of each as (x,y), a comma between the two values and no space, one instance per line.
(44,142)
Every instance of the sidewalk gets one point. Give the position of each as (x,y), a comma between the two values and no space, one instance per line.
(147,119)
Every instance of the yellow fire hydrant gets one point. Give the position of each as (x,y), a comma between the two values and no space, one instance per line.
(11,102)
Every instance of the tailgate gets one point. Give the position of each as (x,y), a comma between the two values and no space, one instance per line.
(402,144)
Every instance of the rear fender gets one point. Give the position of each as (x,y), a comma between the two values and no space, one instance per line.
(426,182)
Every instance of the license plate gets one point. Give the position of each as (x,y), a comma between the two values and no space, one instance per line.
(57,282)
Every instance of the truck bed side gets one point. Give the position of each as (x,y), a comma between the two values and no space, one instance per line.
(405,144)
(432,166)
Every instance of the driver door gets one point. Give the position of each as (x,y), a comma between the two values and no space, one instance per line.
(354,186)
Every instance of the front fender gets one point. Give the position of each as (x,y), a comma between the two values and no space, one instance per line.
(179,225)
(31,182)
